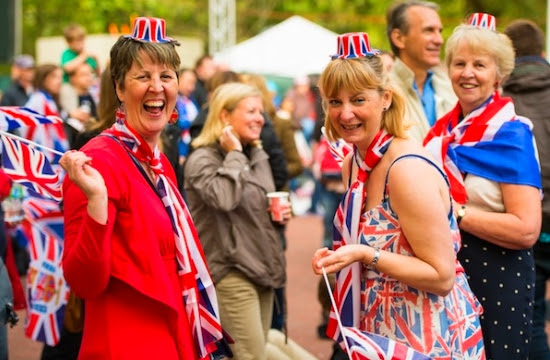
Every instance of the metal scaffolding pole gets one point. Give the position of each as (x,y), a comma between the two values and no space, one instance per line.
(221,25)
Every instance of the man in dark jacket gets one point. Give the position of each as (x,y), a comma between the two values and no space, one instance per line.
(22,74)
(529,87)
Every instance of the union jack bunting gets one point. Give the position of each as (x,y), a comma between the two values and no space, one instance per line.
(30,168)
(368,346)
(148,29)
(47,291)
(13,117)
(482,20)
(354,45)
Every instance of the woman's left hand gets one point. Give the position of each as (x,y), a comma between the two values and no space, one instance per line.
(334,261)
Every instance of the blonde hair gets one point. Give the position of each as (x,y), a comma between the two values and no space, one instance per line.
(356,75)
(225,97)
(483,41)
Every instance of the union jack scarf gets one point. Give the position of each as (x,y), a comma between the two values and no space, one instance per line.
(346,231)
(338,148)
(491,142)
(197,288)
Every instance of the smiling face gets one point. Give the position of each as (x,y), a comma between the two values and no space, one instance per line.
(420,47)
(149,95)
(473,76)
(247,119)
(357,117)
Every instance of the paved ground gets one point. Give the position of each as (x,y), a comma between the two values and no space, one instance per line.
(304,237)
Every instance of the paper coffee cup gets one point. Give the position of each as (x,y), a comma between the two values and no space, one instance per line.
(278,202)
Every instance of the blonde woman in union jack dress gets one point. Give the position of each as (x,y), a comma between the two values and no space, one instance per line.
(395,236)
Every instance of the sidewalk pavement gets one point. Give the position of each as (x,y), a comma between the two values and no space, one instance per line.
(304,236)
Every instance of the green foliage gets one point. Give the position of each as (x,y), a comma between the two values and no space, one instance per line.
(190,17)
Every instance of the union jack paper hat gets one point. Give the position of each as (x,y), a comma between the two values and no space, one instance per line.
(354,45)
(483,20)
(149,29)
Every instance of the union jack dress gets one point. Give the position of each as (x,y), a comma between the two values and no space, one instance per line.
(441,327)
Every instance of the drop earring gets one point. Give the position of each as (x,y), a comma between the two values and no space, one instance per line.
(174,117)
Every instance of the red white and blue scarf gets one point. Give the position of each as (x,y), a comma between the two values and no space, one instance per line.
(346,231)
(491,142)
(197,288)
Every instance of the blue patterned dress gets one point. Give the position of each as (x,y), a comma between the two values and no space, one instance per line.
(441,327)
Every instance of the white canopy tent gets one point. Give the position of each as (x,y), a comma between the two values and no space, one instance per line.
(291,48)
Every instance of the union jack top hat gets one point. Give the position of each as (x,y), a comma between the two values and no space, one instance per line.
(354,45)
(149,29)
(483,20)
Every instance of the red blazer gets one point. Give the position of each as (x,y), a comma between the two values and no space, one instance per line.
(125,270)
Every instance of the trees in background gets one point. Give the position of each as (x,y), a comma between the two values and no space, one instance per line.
(190,17)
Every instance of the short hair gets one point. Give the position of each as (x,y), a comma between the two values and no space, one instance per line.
(126,50)
(225,97)
(74,32)
(356,75)
(527,38)
(483,41)
(396,18)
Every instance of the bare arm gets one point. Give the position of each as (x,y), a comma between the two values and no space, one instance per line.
(422,213)
(517,228)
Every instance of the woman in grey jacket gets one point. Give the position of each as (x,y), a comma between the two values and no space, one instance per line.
(226,181)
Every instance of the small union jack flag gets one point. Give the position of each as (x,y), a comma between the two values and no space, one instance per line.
(368,346)
(47,291)
(30,168)
(13,117)
(46,214)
